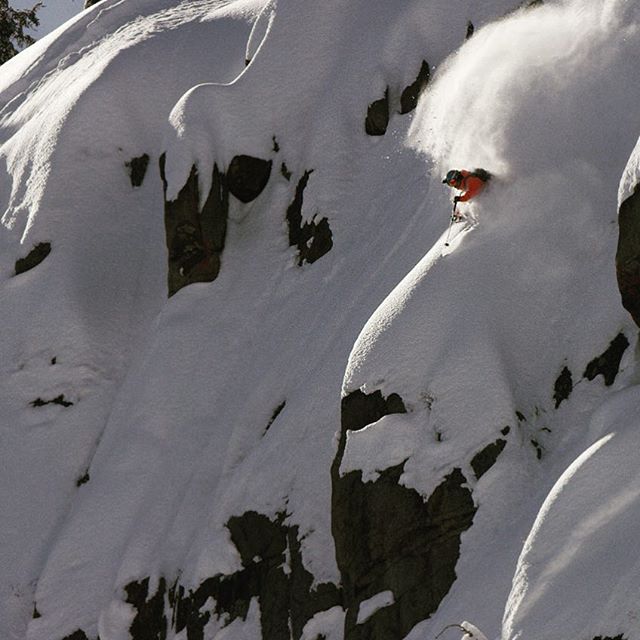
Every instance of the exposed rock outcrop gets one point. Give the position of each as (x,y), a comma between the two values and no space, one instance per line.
(607,364)
(195,237)
(470,30)
(410,95)
(150,622)
(33,258)
(389,538)
(77,635)
(247,177)
(487,457)
(59,400)
(273,572)
(137,168)
(628,254)
(313,239)
(377,120)
(563,386)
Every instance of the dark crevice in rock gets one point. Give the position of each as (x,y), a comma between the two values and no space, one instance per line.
(520,416)
(388,538)
(33,258)
(276,146)
(137,169)
(608,364)
(410,95)
(563,386)
(60,400)
(286,595)
(619,637)
(628,254)
(195,237)
(277,411)
(485,459)
(312,239)
(377,119)
(150,622)
(247,177)
(505,431)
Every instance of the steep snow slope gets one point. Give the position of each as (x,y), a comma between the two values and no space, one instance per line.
(169,463)
(75,109)
(496,334)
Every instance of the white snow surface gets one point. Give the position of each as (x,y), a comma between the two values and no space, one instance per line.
(368,607)
(172,397)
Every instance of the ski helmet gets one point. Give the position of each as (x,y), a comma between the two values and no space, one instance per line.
(453,177)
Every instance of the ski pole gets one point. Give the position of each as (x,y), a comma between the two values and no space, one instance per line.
(453,215)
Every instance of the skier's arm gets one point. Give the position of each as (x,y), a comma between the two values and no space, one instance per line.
(473,187)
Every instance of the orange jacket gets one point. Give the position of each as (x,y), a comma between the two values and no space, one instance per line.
(470,185)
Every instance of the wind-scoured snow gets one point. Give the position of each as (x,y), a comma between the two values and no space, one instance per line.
(225,398)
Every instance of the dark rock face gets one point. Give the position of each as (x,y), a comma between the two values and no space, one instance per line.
(410,95)
(388,538)
(377,119)
(33,258)
(137,169)
(485,459)
(608,364)
(563,386)
(312,239)
(247,177)
(628,254)
(619,637)
(150,622)
(286,594)
(90,3)
(195,237)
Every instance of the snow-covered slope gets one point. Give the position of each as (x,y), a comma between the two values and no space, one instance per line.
(200,465)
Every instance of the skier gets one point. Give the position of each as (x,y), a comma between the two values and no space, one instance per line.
(471,183)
